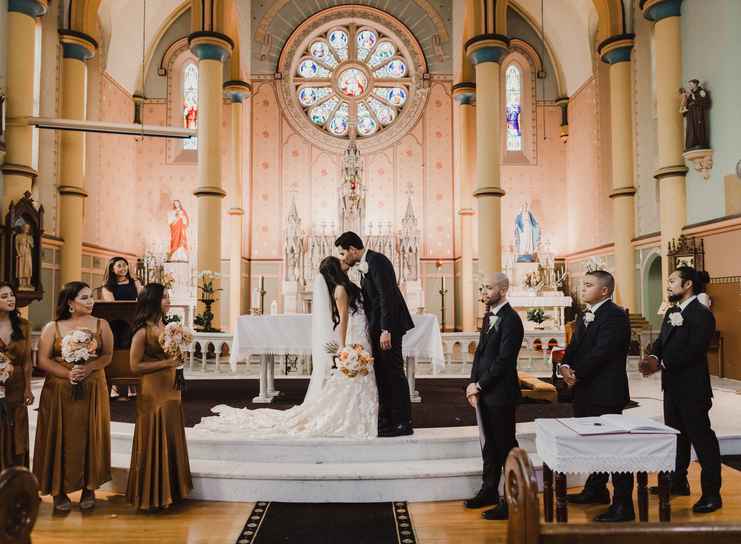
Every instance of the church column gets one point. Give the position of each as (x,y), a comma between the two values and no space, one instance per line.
(23,71)
(465,95)
(616,51)
(237,91)
(485,52)
(77,49)
(672,171)
(211,49)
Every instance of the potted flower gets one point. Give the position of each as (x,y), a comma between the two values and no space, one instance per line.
(208,298)
(537,316)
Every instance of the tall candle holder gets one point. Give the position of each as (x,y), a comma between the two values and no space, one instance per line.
(443,291)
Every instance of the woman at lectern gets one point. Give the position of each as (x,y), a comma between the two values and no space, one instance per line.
(119,285)
(160,470)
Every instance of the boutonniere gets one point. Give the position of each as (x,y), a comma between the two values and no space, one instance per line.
(363,268)
(493,320)
(588,317)
(676,319)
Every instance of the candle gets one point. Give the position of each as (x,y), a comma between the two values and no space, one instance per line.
(262,282)
(255,299)
(442,278)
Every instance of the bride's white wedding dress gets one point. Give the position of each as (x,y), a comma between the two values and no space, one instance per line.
(334,406)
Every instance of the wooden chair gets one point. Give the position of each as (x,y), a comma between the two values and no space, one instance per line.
(19,505)
(524,527)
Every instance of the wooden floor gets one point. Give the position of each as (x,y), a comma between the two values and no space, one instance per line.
(194,522)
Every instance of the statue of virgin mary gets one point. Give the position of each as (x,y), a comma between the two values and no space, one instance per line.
(527,235)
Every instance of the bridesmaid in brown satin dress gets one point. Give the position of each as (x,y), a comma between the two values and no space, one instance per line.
(15,343)
(160,471)
(73,436)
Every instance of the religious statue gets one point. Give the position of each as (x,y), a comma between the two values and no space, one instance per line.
(527,235)
(179,222)
(24,258)
(294,247)
(352,192)
(695,103)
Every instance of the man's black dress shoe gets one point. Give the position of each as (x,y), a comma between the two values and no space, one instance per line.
(678,489)
(396,430)
(499,512)
(707,504)
(483,498)
(590,496)
(617,512)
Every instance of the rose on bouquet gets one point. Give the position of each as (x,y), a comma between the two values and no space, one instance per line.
(78,347)
(175,341)
(351,360)
(5,365)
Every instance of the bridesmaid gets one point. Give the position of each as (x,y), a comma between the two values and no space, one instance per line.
(15,343)
(73,437)
(160,471)
(119,285)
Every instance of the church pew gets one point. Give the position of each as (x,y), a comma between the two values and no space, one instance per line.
(19,505)
(524,526)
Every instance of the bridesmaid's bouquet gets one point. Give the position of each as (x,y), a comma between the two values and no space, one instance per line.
(353,361)
(175,341)
(78,347)
(4,375)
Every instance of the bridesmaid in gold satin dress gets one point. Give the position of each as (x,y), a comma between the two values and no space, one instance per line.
(73,436)
(160,471)
(15,343)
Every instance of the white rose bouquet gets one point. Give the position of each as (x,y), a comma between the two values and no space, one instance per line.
(79,347)
(5,365)
(175,341)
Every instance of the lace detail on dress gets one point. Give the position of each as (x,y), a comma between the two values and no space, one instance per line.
(346,407)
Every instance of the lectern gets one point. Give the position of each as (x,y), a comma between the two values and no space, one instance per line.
(120,316)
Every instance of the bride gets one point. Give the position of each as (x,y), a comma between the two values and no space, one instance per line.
(335,405)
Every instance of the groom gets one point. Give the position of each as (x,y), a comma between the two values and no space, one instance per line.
(388,321)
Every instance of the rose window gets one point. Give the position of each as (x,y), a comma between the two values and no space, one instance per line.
(353,81)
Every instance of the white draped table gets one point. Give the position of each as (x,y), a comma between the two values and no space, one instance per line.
(276,335)
(564,451)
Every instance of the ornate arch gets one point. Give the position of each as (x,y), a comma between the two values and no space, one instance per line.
(611,19)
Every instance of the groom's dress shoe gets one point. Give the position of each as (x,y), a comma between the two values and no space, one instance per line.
(590,496)
(396,430)
(707,504)
(499,512)
(617,512)
(483,498)
(678,489)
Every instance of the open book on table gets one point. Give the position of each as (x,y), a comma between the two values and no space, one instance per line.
(616,424)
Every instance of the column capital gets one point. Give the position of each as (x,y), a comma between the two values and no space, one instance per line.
(72,190)
(237,91)
(77,45)
(32,8)
(10,169)
(210,45)
(464,93)
(489,191)
(622,191)
(562,101)
(209,191)
(678,170)
(656,10)
(487,48)
(616,48)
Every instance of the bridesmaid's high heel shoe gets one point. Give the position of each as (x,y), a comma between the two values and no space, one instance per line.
(87,500)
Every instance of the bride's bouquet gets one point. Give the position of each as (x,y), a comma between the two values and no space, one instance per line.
(4,375)
(351,360)
(175,340)
(78,347)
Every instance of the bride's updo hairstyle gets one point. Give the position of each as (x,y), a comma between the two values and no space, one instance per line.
(331,269)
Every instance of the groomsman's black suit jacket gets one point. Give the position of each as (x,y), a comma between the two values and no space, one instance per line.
(385,307)
(683,350)
(495,362)
(598,356)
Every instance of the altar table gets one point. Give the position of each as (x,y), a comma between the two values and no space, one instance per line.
(563,451)
(271,335)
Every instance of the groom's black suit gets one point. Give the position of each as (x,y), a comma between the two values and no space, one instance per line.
(386,310)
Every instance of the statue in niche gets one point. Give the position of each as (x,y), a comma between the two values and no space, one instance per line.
(695,103)
(24,257)
(179,222)
(527,235)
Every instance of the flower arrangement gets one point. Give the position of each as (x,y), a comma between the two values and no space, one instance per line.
(78,347)
(5,365)
(168,280)
(208,297)
(175,340)
(351,360)
(536,315)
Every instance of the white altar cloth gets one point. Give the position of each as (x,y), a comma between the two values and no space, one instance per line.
(568,452)
(291,334)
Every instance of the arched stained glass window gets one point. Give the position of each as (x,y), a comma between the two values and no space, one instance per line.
(190,102)
(513,110)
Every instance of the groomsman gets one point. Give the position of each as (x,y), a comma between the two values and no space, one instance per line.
(595,366)
(680,353)
(495,390)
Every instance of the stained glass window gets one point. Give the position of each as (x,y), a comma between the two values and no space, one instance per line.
(190,102)
(352,81)
(513,110)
